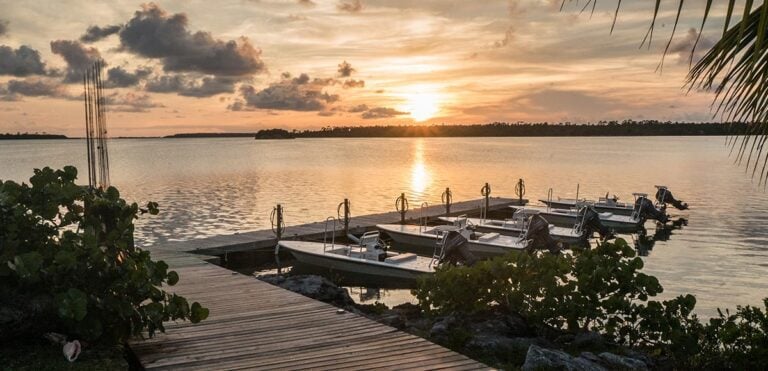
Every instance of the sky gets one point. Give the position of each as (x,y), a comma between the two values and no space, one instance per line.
(243,65)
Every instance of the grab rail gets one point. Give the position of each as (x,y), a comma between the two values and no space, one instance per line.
(549,198)
(423,216)
(325,233)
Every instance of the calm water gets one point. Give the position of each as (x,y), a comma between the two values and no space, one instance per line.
(207,187)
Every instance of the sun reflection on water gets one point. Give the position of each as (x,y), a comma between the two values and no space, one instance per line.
(421,177)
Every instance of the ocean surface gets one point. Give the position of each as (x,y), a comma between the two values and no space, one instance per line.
(207,187)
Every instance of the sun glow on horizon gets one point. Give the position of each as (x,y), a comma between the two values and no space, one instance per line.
(422,103)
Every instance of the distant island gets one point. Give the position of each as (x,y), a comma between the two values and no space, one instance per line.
(32,136)
(497,129)
(274,134)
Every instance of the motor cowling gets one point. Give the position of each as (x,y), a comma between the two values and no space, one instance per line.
(664,196)
(589,223)
(456,250)
(645,209)
(538,236)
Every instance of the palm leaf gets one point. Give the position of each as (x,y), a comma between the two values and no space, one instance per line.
(735,69)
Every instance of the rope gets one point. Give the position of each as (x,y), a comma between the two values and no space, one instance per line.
(277,229)
(447,197)
(486,190)
(401,204)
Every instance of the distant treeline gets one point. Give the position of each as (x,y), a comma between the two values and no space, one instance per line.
(32,136)
(211,135)
(497,129)
(500,129)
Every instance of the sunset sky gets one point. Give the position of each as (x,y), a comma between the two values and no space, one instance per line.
(237,65)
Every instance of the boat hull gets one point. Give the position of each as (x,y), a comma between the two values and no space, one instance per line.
(568,204)
(351,265)
(559,234)
(620,223)
(422,243)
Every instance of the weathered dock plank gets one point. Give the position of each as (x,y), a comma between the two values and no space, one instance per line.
(254,325)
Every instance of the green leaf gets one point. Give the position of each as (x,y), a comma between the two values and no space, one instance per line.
(72,304)
(173,278)
(199,313)
(27,265)
(65,259)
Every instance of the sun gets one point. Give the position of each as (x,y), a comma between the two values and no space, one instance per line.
(422,105)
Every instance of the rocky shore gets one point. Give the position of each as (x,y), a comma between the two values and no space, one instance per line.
(499,340)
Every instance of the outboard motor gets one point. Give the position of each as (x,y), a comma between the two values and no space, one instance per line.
(538,235)
(664,196)
(589,223)
(456,250)
(645,209)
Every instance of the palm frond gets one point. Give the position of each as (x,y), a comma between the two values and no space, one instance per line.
(735,69)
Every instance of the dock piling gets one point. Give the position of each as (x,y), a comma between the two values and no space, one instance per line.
(486,192)
(447,198)
(346,216)
(520,190)
(401,205)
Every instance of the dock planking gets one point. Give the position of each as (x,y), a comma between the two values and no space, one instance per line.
(255,325)
(263,239)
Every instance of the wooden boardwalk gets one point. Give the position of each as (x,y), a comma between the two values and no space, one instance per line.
(255,325)
(249,241)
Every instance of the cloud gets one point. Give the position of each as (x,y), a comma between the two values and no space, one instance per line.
(78,57)
(3,27)
(23,61)
(307,3)
(358,108)
(153,33)
(293,94)
(130,102)
(351,83)
(682,48)
(350,6)
(32,87)
(345,69)
(509,36)
(191,87)
(118,77)
(96,33)
(381,113)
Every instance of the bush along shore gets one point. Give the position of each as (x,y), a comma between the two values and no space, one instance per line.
(584,310)
(71,277)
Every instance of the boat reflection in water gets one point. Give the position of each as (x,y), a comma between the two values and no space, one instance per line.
(644,242)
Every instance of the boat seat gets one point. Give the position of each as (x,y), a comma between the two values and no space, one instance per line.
(606,215)
(399,258)
(488,236)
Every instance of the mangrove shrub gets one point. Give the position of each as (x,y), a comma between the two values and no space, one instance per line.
(68,264)
(601,290)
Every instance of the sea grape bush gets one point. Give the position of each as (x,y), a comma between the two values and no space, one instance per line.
(68,252)
(602,290)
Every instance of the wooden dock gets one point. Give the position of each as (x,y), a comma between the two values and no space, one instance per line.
(255,325)
(249,241)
